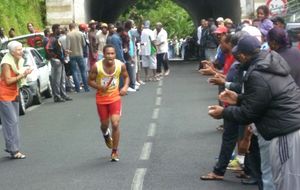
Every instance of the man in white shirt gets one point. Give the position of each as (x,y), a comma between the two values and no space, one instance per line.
(161,41)
(148,53)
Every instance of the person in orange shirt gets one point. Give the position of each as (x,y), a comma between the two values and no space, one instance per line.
(12,75)
(104,77)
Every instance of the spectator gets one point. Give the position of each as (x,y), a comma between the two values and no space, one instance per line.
(93,46)
(271,99)
(3,38)
(34,41)
(278,41)
(75,44)
(56,54)
(11,77)
(266,24)
(11,33)
(147,52)
(101,37)
(161,41)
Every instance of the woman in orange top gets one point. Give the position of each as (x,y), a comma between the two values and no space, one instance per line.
(12,75)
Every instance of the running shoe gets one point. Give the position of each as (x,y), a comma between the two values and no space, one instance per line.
(115,157)
(167,72)
(108,140)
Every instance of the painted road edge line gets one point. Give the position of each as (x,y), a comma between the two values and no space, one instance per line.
(159,91)
(146,151)
(158,101)
(160,83)
(155,113)
(152,130)
(138,179)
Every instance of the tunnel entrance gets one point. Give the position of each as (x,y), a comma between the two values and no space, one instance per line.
(110,10)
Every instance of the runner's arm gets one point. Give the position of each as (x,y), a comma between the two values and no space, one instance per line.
(92,78)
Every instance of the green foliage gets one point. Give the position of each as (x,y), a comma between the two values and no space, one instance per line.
(175,19)
(17,13)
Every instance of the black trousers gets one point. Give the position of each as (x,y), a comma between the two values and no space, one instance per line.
(229,139)
(162,59)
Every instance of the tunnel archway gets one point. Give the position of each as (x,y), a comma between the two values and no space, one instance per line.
(110,10)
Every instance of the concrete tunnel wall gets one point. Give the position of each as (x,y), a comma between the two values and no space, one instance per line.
(109,10)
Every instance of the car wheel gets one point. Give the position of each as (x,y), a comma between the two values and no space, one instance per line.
(27,96)
(37,99)
(22,106)
(48,92)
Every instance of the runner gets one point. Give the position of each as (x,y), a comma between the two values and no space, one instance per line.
(104,77)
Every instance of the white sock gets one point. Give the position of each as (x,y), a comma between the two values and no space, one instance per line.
(240,158)
(106,133)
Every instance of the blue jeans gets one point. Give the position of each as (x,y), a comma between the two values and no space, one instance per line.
(77,62)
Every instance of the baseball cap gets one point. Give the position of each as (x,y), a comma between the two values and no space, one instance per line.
(92,22)
(104,25)
(220,19)
(221,30)
(228,21)
(248,44)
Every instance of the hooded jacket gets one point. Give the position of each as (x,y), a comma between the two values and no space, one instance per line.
(271,98)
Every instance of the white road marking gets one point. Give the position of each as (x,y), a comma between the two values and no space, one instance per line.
(159,91)
(160,83)
(138,179)
(146,151)
(155,113)
(158,101)
(152,130)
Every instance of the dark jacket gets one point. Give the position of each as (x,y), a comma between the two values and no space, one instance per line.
(292,57)
(271,98)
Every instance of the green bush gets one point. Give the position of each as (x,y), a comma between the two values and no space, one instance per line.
(17,13)
(175,19)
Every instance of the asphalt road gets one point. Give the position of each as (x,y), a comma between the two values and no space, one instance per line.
(167,141)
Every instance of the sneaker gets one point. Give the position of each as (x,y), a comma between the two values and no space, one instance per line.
(167,72)
(234,165)
(108,140)
(131,89)
(67,98)
(141,82)
(115,157)
(137,87)
(137,84)
(58,100)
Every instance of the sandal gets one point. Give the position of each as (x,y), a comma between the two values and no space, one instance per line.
(211,176)
(18,155)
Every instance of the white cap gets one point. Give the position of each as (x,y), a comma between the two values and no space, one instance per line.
(220,19)
(253,31)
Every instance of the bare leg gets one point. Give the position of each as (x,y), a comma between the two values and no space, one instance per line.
(104,126)
(115,121)
(146,74)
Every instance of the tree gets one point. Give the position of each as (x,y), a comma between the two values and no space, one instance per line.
(174,18)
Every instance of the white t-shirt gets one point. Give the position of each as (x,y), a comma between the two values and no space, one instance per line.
(146,35)
(199,34)
(161,37)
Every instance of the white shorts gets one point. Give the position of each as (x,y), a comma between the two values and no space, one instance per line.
(149,61)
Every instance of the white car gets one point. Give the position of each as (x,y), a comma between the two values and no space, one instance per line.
(39,80)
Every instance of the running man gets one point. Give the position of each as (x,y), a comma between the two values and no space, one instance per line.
(104,77)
